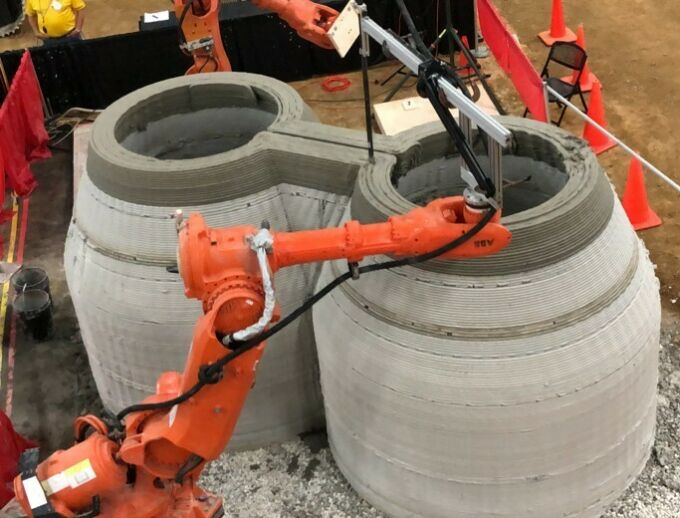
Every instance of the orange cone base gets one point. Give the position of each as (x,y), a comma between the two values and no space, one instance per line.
(586,84)
(548,40)
(651,220)
(604,146)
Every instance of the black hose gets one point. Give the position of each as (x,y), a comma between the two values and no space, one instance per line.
(185,10)
(141,407)
(191,464)
(211,373)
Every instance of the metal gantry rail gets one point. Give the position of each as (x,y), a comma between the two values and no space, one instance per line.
(468,111)
(412,61)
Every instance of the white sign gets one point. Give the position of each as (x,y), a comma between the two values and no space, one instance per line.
(345,29)
(160,16)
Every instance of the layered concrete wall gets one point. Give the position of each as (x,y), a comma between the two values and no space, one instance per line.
(158,150)
(519,385)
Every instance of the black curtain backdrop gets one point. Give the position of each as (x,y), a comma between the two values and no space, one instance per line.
(10,10)
(96,72)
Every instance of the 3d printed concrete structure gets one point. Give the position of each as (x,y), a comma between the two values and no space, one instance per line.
(518,385)
(224,145)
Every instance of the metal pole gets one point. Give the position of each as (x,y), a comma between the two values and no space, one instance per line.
(451,31)
(622,144)
(472,63)
(481,51)
(364,52)
(496,164)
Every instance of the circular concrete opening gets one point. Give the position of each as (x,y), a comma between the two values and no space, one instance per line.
(199,121)
(528,179)
(550,181)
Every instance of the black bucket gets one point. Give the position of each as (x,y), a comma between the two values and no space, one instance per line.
(34,308)
(30,278)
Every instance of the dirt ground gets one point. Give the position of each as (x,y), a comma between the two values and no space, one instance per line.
(52,379)
(631,50)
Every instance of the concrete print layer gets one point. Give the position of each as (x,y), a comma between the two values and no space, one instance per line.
(125,138)
(136,321)
(522,386)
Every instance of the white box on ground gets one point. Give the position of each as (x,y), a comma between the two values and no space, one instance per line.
(396,116)
(160,16)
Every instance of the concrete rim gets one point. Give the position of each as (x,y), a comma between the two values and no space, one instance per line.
(136,178)
(542,235)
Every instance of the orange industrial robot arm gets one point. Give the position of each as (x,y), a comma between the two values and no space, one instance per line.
(199,27)
(151,467)
(310,20)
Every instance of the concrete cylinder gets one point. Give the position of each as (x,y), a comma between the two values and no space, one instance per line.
(202,143)
(521,385)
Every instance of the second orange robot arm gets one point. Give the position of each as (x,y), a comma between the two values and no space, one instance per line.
(310,20)
(199,22)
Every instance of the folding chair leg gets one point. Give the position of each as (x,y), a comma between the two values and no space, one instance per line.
(564,110)
(583,100)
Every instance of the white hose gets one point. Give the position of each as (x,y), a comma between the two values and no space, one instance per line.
(260,243)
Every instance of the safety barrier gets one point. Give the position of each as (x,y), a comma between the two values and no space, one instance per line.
(23,137)
(512,59)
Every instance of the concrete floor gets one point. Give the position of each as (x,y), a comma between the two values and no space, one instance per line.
(52,380)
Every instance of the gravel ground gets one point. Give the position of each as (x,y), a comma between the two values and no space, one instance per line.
(299,479)
(656,493)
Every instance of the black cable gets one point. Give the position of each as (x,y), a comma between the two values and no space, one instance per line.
(211,373)
(192,463)
(208,59)
(368,115)
(426,55)
(142,407)
(180,31)
(429,74)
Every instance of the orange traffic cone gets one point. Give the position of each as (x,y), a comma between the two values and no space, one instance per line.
(597,140)
(635,201)
(464,69)
(588,79)
(558,29)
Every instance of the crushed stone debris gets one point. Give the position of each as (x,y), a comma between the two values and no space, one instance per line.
(299,479)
